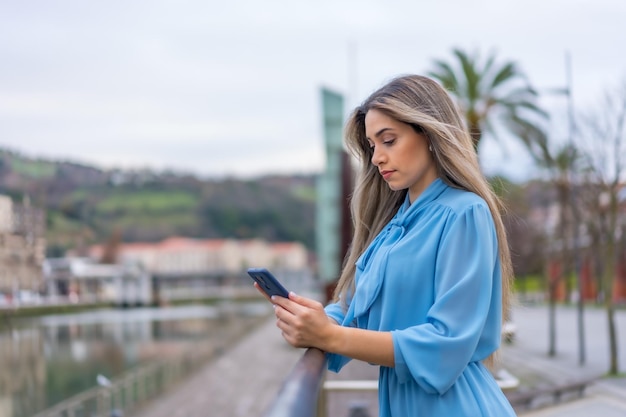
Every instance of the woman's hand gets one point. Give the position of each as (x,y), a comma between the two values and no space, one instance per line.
(303,321)
(304,324)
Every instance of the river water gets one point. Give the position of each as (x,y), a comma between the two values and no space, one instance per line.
(46,360)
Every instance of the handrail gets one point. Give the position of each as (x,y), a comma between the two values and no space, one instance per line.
(298,395)
(130,390)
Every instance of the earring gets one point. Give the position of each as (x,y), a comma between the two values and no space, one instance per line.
(430,148)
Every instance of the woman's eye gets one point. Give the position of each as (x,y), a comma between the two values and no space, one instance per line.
(389,142)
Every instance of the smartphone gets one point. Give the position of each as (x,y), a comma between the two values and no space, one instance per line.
(268,282)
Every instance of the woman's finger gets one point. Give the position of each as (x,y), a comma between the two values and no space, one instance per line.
(258,287)
(306,302)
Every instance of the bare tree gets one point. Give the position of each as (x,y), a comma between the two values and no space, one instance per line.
(603,147)
(559,162)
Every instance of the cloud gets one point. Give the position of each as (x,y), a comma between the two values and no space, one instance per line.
(173,84)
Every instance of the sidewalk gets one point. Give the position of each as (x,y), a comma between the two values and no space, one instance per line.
(605,397)
(527,359)
(241,382)
(244,381)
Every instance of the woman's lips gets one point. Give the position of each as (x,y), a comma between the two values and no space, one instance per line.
(386,174)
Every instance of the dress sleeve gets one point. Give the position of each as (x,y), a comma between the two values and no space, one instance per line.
(336,312)
(435,353)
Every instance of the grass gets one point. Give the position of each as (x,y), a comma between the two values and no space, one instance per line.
(529,283)
(64,232)
(167,220)
(618,375)
(33,169)
(148,201)
(534,283)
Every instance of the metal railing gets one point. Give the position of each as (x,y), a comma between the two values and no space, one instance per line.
(128,392)
(298,395)
(304,391)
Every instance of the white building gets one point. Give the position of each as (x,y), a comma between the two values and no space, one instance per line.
(83,280)
(187,256)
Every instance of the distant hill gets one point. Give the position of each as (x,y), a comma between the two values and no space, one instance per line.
(85,204)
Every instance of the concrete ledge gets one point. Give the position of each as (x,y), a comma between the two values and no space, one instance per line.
(548,394)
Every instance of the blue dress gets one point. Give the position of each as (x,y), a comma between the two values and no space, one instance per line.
(432,278)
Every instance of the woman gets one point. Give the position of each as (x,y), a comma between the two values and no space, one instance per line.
(426,281)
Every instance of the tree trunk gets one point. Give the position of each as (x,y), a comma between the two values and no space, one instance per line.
(610,316)
(611,262)
(554,274)
(475,134)
(552,326)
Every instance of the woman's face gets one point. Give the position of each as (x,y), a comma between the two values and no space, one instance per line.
(400,153)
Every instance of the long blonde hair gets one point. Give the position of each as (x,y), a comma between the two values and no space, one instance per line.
(424,104)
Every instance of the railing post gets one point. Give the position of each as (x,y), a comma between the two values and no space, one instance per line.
(322,402)
(299,393)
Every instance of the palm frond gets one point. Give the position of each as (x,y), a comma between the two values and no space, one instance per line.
(489,64)
(534,139)
(470,74)
(444,73)
(506,73)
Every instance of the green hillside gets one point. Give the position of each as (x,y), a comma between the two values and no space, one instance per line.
(85,205)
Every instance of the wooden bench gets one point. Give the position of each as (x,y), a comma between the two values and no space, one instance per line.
(527,399)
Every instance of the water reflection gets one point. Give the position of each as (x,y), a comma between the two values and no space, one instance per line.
(52,358)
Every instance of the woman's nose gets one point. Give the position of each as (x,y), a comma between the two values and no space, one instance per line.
(377,156)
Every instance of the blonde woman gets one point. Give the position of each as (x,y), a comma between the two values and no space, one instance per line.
(426,282)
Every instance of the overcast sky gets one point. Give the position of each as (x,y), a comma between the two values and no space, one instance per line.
(232,88)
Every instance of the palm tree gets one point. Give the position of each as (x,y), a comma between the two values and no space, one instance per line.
(486,91)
